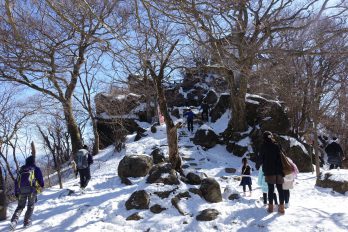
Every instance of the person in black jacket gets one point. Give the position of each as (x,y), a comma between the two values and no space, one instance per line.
(334,154)
(273,170)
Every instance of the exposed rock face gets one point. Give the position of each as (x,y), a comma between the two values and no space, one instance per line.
(296,153)
(193,178)
(328,180)
(176,113)
(162,173)
(157,156)
(207,215)
(220,108)
(205,137)
(270,115)
(138,200)
(211,98)
(134,166)
(230,170)
(236,149)
(211,191)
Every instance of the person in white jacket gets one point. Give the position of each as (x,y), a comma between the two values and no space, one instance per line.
(289,182)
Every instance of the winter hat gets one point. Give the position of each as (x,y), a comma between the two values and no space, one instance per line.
(30,161)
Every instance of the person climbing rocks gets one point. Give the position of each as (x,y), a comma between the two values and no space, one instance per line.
(189,115)
(83,162)
(28,184)
(273,170)
(334,154)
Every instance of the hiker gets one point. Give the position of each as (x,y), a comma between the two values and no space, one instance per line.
(272,169)
(28,184)
(334,154)
(190,115)
(245,173)
(205,111)
(264,187)
(289,182)
(83,162)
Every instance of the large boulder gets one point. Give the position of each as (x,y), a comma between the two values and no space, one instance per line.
(211,191)
(205,137)
(211,97)
(162,173)
(207,215)
(270,114)
(335,179)
(134,166)
(236,149)
(297,152)
(193,178)
(138,200)
(157,156)
(220,108)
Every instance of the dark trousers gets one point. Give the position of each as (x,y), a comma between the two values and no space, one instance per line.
(22,201)
(190,124)
(274,198)
(249,186)
(205,115)
(85,176)
(286,196)
(334,166)
(271,192)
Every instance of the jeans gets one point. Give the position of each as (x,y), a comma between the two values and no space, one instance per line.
(271,192)
(286,196)
(85,176)
(22,200)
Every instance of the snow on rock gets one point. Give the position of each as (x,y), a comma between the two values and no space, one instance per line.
(220,125)
(102,206)
(294,143)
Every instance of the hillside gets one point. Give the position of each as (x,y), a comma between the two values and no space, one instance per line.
(102,206)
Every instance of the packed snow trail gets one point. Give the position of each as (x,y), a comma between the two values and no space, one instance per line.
(102,206)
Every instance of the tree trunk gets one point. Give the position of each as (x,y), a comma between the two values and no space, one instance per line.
(33,150)
(73,129)
(3,201)
(316,147)
(237,84)
(96,137)
(58,169)
(172,136)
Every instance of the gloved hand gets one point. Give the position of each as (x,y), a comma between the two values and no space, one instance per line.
(17,195)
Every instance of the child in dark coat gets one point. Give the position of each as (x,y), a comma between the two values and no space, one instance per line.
(245,173)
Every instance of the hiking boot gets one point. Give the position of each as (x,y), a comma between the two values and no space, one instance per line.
(13,225)
(27,224)
(270,208)
(281,209)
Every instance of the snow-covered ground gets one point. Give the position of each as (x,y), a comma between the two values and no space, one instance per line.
(102,206)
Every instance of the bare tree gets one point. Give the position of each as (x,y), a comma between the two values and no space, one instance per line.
(238,33)
(44,47)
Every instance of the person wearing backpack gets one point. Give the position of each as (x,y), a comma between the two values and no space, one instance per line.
(29,179)
(83,162)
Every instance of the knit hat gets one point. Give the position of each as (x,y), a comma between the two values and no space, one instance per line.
(30,161)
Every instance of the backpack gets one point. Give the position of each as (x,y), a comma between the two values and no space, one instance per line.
(82,159)
(26,180)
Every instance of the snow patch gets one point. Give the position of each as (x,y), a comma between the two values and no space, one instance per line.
(294,142)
